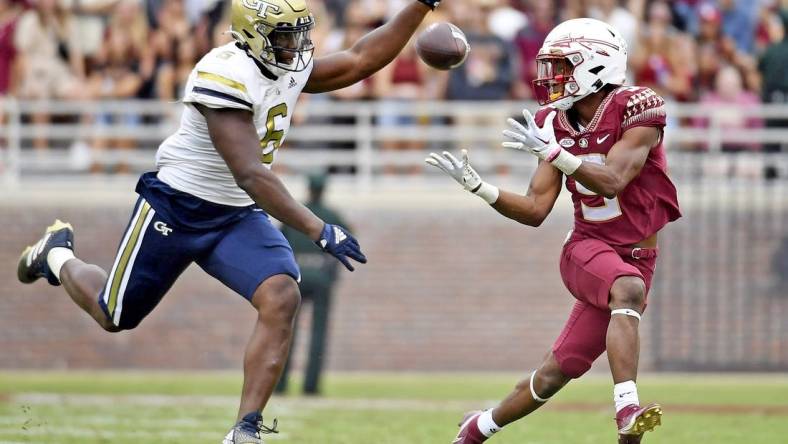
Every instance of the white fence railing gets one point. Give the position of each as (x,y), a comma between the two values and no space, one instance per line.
(368,138)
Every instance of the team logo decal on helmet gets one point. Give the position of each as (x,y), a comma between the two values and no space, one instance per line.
(579,57)
(261,7)
(274,32)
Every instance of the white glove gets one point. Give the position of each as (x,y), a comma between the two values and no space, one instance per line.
(540,142)
(464,174)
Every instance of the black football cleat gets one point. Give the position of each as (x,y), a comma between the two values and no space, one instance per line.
(33,262)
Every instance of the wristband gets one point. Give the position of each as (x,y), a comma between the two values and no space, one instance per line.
(487,192)
(432,4)
(567,162)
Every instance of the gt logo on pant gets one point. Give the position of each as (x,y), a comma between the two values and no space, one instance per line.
(162,228)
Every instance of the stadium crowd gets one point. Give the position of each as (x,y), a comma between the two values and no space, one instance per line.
(723,51)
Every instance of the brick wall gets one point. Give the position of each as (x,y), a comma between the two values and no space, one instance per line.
(450,285)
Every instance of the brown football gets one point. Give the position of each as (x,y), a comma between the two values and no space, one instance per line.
(442,46)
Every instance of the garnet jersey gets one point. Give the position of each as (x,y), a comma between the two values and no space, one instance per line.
(649,201)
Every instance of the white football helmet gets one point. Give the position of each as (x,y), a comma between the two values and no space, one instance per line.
(579,57)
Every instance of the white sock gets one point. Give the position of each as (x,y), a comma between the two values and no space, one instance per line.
(486,425)
(57,257)
(624,394)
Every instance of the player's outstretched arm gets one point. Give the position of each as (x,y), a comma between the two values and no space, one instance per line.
(370,53)
(233,134)
(623,163)
(533,208)
(530,209)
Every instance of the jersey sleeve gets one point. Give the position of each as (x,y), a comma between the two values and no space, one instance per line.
(643,107)
(216,85)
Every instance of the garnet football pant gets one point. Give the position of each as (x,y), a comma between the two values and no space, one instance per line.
(588,268)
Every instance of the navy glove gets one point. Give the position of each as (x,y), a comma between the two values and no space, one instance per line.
(336,241)
(431,3)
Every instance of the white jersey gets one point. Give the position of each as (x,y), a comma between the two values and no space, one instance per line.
(226,78)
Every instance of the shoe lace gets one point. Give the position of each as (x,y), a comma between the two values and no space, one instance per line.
(260,428)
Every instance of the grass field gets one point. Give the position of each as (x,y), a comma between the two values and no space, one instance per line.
(143,407)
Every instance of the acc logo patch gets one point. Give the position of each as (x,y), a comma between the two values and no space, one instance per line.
(567,142)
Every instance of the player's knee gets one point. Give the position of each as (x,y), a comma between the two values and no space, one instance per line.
(278,297)
(547,381)
(628,292)
(575,366)
(109,327)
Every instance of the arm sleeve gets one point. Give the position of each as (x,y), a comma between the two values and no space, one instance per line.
(217,88)
(644,108)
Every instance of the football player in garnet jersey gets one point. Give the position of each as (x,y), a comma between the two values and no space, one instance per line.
(607,140)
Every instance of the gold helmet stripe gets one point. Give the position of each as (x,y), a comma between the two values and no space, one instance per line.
(223,80)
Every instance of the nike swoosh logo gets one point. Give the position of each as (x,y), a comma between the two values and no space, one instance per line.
(543,141)
(599,140)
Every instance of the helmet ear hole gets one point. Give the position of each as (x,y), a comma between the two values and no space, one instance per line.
(248,34)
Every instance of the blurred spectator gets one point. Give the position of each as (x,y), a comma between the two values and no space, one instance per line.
(9,14)
(118,49)
(212,20)
(738,22)
(685,16)
(708,65)
(541,20)
(682,59)
(51,62)
(174,51)
(505,21)
(729,106)
(488,72)
(116,76)
(651,62)
(774,69)
(403,80)
(90,17)
(611,12)
(710,31)
(769,29)
(357,23)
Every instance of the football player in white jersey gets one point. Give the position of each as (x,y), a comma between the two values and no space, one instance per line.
(209,201)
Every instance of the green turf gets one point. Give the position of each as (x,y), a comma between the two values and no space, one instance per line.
(194,408)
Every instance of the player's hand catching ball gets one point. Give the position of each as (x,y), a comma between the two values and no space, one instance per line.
(540,142)
(530,138)
(337,242)
(464,174)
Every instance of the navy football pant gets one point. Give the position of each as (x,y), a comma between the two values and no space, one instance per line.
(154,252)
